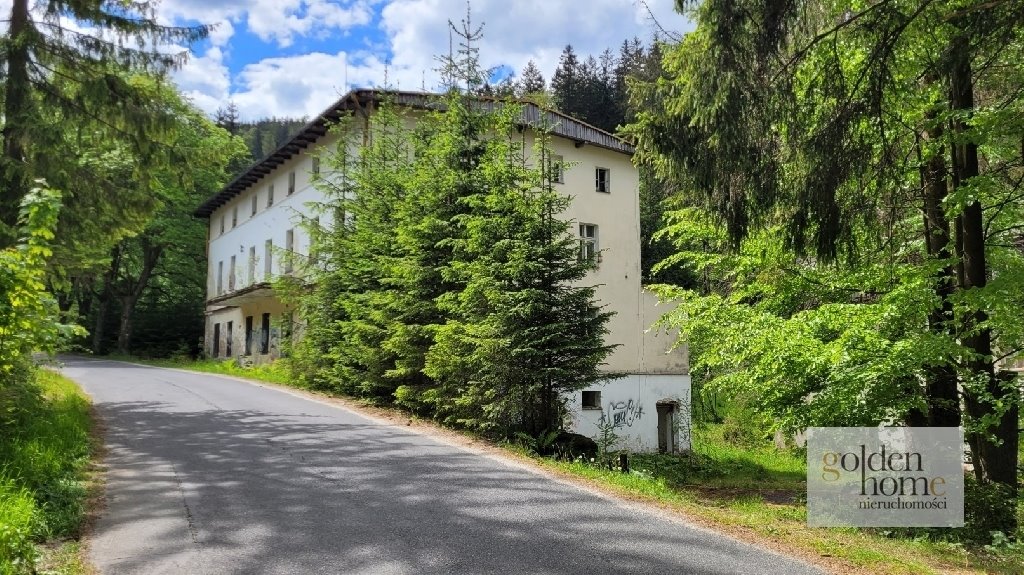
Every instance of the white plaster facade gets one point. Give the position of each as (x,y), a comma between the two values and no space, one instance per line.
(239,271)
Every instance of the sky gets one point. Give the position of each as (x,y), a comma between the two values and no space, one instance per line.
(293,58)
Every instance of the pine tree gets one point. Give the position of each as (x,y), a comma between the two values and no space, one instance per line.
(523,333)
(567,83)
(227,118)
(83,76)
(531,81)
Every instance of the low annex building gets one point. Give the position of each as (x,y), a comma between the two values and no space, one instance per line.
(255,218)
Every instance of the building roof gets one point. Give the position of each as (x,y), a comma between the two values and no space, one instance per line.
(533,115)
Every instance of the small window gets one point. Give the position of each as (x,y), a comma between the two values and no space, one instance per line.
(265,334)
(231,275)
(234,217)
(314,235)
(591,400)
(228,338)
(289,247)
(557,173)
(216,340)
(588,242)
(291,183)
(220,277)
(604,180)
(268,259)
(252,265)
(316,165)
(270,195)
(255,203)
(248,335)
(222,225)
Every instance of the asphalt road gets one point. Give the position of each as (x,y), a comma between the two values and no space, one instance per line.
(212,475)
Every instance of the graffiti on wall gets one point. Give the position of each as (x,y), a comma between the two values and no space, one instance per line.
(622,413)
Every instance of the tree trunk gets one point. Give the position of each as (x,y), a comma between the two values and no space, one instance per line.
(941,387)
(993,463)
(150,258)
(17,103)
(124,333)
(103,300)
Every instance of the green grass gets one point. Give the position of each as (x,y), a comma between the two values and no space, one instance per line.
(755,492)
(44,448)
(276,372)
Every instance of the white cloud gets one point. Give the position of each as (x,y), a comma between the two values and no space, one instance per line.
(516,32)
(272,20)
(414,32)
(301,85)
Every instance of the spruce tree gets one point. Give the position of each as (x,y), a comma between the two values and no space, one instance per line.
(531,81)
(84,76)
(567,83)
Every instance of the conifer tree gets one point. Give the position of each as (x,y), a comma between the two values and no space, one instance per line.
(531,81)
(82,75)
(567,83)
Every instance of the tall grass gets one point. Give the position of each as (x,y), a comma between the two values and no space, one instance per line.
(44,448)
(276,372)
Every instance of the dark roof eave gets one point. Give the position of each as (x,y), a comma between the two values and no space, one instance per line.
(355,100)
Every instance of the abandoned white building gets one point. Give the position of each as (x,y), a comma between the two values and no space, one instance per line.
(256,216)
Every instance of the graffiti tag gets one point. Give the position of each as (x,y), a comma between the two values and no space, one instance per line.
(622,413)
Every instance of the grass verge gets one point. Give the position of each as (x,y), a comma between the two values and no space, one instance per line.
(753,493)
(44,452)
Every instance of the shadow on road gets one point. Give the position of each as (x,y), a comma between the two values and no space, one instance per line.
(311,489)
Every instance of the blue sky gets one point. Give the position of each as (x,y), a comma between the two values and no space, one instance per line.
(290,57)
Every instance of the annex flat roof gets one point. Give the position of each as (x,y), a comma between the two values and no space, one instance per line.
(533,115)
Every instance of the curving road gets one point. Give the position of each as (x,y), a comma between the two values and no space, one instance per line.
(213,475)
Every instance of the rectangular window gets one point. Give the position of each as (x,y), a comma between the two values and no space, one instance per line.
(591,400)
(268,259)
(248,335)
(252,266)
(220,277)
(216,340)
(289,247)
(557,174)
(287,328)
(314,235)
(603,179)
(234,217)
(588,242)
(270,195)
(265,334)
(316,166)
(222,225)
(291,183)
(231,275)
(255,203)
(227,342)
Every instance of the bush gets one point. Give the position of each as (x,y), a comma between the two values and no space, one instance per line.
(17,519)
(988,509)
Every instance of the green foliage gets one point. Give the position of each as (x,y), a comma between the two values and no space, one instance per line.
(44,447)
(449,284)
(63,85)
(146,288)
(856,263)
(27,312)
